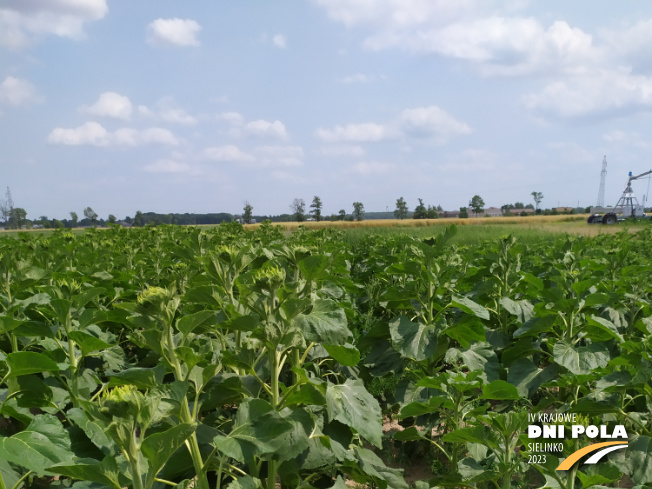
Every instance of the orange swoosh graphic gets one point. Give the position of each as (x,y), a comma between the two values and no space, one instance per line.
(575,456)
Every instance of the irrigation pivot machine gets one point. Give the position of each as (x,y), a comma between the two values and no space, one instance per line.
(626,208)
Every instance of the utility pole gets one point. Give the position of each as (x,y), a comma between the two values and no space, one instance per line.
(603,177)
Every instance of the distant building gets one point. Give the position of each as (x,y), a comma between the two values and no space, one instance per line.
(493,212)
(240,218)
(518,212)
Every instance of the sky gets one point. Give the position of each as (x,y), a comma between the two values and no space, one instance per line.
(197,106)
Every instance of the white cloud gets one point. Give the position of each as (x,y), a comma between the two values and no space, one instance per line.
(158,135)
(279,156)
(263,128)
(153,135)
(603,72)
(111,104)
(422,122)
(14,91)
(470,30)
(21,21)
(343,150)
(228,153)
(501,45)
(177,116)
(166,111)
(260,156)
(371,168)
(178,32)
(395,14)
(606,93)
(258,128)
(359,133)
(94,134)
(432,122)
(280,41)
(90,133)
(632,43)
(167,166)
(289,177)
(233,118)
(126,137)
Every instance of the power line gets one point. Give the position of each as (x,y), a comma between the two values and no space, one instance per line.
(603,177)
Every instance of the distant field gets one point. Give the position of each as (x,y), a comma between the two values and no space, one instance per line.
(469,230)
(411,223)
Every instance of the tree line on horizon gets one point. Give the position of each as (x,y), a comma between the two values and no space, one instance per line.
(16,217)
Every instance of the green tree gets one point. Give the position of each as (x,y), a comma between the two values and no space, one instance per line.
(401,211)
(75,218)
(464,213)
(138,219)
(476,204)
(298,208)
(18,218)
(420,211)
(247,211)
(112,219)
(316,208)
(432,212)
(44,221)
(341,215)
(538,197)
(91,215)
(358,211)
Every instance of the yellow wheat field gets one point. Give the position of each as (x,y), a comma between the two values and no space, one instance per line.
(571,224)
(411,223)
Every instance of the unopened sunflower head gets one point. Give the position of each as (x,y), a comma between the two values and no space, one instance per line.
(122,402)
(226,252)
(300,252)
(73,286)
(153,295)
(270,277)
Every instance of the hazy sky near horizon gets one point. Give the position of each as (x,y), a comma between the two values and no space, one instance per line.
(196,106)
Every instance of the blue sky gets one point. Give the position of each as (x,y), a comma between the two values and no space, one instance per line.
(197,106)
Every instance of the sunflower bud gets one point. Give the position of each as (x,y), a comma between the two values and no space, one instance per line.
(152,295)
(269,277)
(122,402)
